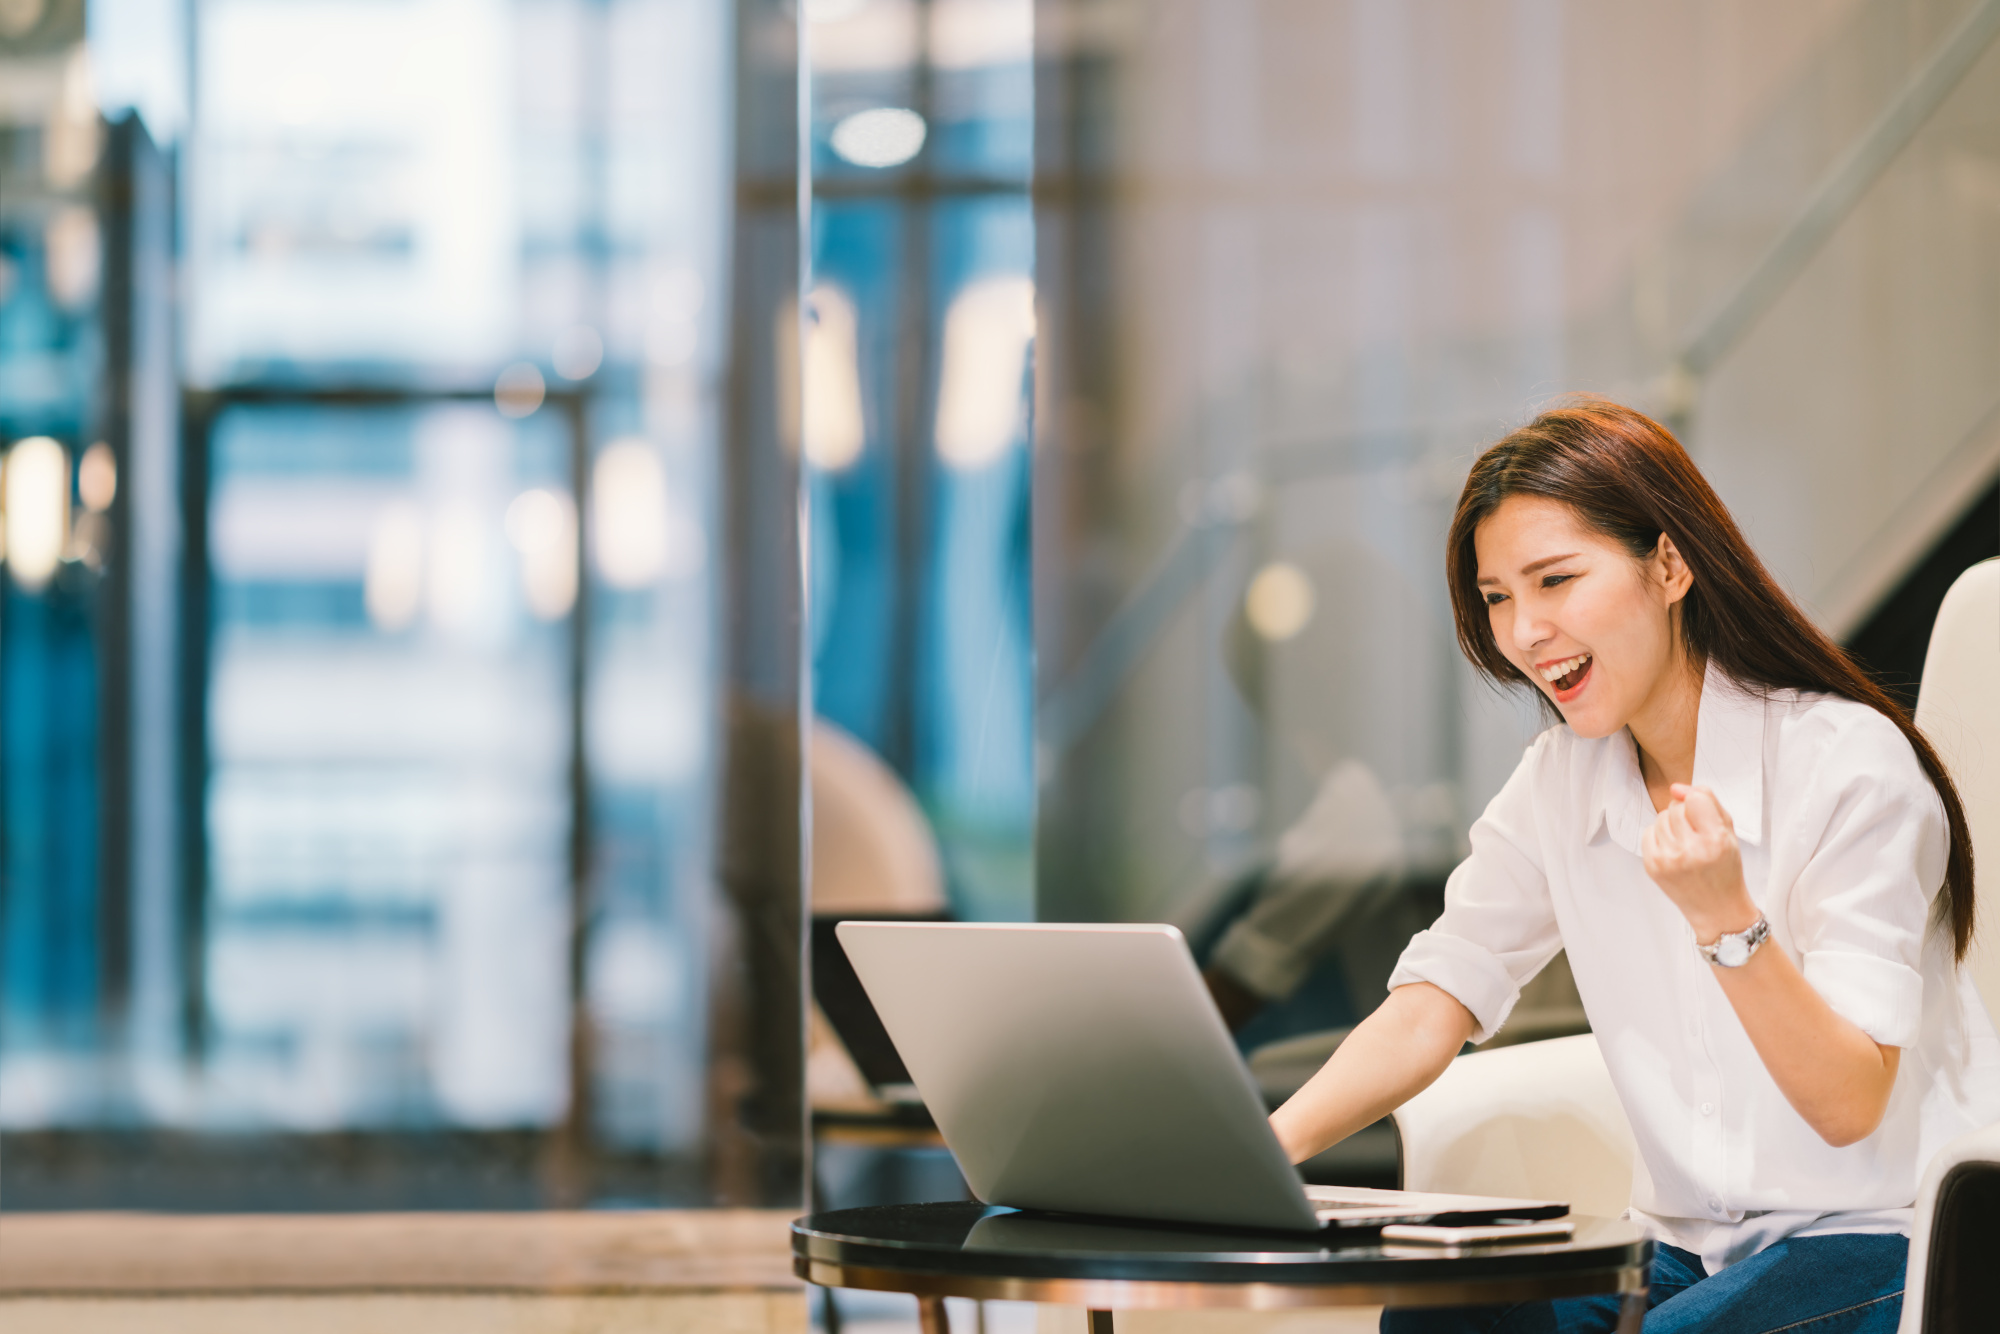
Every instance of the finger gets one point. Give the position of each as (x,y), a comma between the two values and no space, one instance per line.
(1703,812)
(1709,815)
(1666,844)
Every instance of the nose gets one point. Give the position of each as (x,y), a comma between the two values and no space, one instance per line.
(1530,629)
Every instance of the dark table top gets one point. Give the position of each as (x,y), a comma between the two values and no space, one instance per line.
(961,1248)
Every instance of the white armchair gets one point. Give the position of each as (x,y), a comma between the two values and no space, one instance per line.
(1953,1283)
(1539,1120)
(1958,708)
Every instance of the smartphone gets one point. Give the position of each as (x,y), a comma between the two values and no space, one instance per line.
(1542,1230)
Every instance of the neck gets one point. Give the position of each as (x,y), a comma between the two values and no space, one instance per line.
(1664,728)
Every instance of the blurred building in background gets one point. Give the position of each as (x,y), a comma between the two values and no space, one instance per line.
(64,954)
(452,347)
(375,796)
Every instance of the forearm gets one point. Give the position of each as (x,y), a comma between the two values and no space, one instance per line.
(1834,1075)
(1389,1058)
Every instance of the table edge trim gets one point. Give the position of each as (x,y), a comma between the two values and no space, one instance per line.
(1140,1294)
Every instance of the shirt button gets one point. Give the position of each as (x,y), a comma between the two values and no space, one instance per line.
(1715,1206)
(1708,1109)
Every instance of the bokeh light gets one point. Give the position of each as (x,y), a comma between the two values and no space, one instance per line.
(392,586)
(541,525)
(880,137)
(981,391)
(97,478)
(831,418)
(628,510)
(1279,602)
(519,390)
(37,494)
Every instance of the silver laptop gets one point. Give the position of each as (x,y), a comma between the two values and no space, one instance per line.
(1084,1069)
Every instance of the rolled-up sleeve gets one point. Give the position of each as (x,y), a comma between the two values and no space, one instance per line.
(1498,928)
(1862,905)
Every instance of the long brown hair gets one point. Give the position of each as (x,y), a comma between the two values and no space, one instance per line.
(1626,476)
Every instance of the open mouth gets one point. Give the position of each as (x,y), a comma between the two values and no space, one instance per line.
(1568,674)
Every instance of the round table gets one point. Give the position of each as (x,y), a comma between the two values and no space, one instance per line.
(967,1249)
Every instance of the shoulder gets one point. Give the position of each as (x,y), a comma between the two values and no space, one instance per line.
(1558,760)
(1833,726)
(1558,747)
(1843,745)
(1550,754)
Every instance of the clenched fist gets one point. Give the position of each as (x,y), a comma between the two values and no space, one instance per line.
(1691,853)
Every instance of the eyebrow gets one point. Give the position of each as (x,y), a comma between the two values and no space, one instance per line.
(1533,566)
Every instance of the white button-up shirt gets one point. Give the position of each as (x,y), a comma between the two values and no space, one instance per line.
(1843,843)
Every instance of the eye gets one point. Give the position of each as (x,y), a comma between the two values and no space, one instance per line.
(1495,599)
(1552,580)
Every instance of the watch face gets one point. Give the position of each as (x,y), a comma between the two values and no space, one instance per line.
(1732,952)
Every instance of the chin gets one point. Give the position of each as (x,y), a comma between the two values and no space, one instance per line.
(1586,724)
(1588,718)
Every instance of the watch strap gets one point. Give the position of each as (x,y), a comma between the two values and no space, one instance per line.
(1747,939)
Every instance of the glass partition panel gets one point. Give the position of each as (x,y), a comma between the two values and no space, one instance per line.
(917,340)
(388,755)
(1298,263)
(920,327)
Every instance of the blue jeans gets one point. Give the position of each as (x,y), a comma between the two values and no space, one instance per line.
(1847,1283)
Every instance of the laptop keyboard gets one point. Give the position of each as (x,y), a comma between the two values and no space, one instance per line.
(1338,1196)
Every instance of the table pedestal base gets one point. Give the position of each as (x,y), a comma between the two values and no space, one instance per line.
(932,1319)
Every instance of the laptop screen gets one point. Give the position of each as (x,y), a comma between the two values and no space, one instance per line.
(846,1005)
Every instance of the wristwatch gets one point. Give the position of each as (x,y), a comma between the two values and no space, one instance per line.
(1734,948)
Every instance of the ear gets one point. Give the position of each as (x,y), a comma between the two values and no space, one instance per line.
(1675,579)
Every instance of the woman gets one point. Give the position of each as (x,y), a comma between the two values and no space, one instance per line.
(1758,866)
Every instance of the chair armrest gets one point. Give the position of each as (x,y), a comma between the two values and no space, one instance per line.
(1945,1177)
(1540,1120)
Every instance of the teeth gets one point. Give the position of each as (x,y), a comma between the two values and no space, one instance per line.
(1556,671)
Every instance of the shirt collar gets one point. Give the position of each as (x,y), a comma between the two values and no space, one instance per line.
(1728,761)
(1618,801)
(1729,751)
